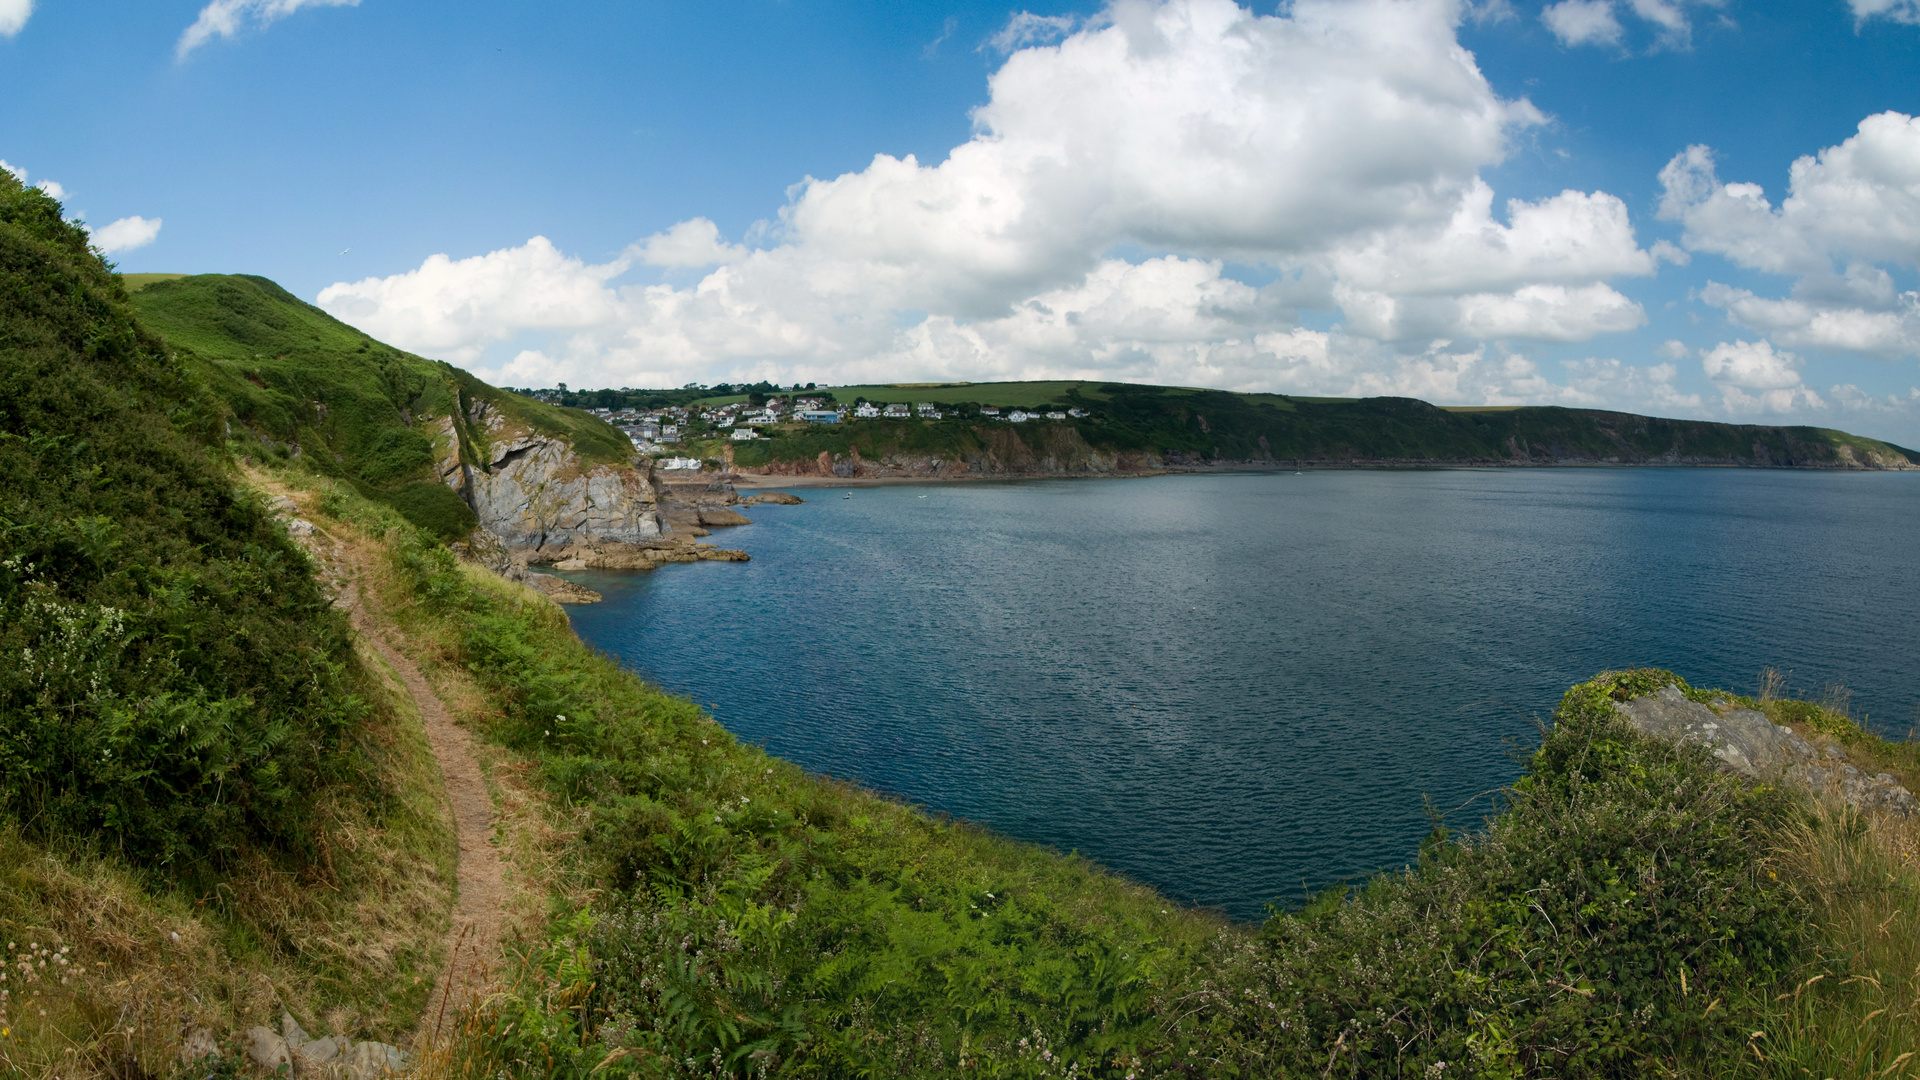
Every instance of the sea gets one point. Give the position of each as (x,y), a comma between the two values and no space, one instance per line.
(1243,688)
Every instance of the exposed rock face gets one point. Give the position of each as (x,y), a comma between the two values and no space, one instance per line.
(490,551)
(533,492)
(197,1044)
(1747,742)
(1755,747)
(561,591)
(267,1049)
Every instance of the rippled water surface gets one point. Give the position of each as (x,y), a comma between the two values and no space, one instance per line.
(1238,687)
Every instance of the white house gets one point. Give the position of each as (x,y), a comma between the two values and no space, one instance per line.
(1056,416)
(989,410)
(866,410)
(927,410)
(1018,416)
(899,411)
(1076,413)
(679,463)
(743,434)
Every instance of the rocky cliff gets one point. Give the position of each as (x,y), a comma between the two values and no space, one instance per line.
(533,492)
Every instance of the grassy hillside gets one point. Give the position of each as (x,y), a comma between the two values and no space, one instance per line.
(300,383)
(1205,426)
(188,687)
(210,804)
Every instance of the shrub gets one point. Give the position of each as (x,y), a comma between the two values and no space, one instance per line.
(1622,910)
(176,683)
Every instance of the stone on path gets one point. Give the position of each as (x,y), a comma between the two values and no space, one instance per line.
(334,1057)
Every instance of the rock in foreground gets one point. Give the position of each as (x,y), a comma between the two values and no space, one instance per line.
(1748,743)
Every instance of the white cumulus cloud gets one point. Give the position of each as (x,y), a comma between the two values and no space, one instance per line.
(1025,28)
(1594,22)
(126,234)
(224,18)
(693,243)
(455,308)
(13,16)
(1900,11)
(1858,200)
(1850,211)
(1337,147)
(1753,377)
(1583,22)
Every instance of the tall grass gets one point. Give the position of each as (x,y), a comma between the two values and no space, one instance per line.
(1853,1009)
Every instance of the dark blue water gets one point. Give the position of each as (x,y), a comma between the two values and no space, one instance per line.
(1240,687)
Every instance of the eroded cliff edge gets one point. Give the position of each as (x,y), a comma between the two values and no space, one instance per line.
(537,501)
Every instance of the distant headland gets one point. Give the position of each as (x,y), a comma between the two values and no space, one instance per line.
(1086,428)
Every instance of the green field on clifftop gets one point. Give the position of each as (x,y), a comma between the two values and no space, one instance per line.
(300,383)
(1190,426)
(1148,425)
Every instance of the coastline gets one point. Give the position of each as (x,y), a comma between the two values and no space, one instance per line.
(772,481)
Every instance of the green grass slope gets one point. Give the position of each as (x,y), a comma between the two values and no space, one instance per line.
(182,689)
(210,805)
(299,382)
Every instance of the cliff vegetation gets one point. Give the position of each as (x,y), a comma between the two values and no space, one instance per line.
(299,383)
(210,803)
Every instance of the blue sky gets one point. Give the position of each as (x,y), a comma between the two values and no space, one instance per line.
(1312,198)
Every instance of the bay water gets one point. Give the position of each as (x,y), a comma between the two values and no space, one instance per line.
(1241,688)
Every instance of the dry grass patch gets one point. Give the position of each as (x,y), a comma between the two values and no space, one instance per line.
(120,968)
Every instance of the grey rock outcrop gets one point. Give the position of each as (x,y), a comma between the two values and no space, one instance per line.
(1753,746)
(267,1049)
(333,1057)
(1877,792)
(1746,741)
(197,1044)
(562,591)
(533,491)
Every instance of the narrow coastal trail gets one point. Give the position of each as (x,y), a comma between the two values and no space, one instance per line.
(473,938)
(480,879)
